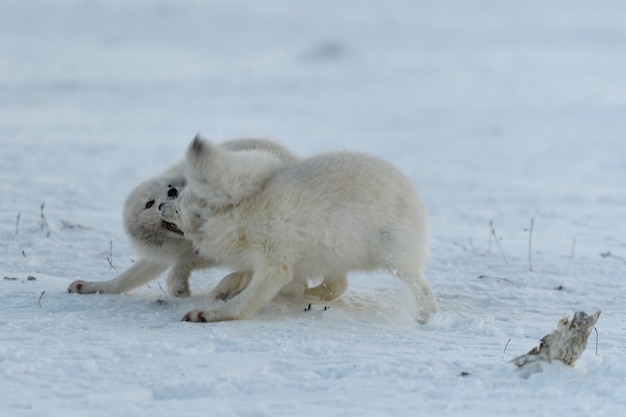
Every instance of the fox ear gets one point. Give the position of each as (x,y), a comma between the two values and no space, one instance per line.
(197,148)
(199,154)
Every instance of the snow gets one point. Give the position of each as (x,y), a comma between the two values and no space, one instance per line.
(499,112)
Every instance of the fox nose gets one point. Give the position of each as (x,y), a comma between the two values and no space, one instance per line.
(172,192)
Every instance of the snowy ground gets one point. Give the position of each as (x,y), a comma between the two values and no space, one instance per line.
(499,112)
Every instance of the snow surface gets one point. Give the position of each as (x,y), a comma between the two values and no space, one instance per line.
(500,112)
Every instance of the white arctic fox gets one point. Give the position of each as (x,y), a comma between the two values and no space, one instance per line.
(161,245)
(285,223)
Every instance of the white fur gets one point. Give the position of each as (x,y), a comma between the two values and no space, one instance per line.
(160,248)
(323,216)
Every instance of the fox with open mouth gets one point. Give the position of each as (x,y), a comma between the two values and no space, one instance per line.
(161,245)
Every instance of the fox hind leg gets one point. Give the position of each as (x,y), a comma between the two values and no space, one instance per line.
(265,283)
(230,286)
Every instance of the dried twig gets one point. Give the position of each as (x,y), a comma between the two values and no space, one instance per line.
(310,306)
(493,233)
(496,278)
(109,256)
(460,246)
(161,288)
(507,345)
(68,225)
(40,297)
(608,254)
(573,248)
(465,248)
(17,222)
(472,245)
(530,245)
(43,223)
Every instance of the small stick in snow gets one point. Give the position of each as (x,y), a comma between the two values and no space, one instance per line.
(43,223)
(310,306)
(530,245)
(507,345)
(17,222)
(608,254)
(565,344)
(161,288)
(68,225)
(496,278)
(109,256)
(472,245)
(40,297)
(573,248)
(460,246)
(493,233)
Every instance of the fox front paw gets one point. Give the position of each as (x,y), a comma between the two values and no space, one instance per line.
(206,316)
(179,289)
(80,287)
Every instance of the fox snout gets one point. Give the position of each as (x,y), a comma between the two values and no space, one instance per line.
(168,211)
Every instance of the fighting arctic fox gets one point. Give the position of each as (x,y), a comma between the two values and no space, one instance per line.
(284,223)
(161,245)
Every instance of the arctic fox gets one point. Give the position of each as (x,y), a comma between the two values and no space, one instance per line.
(285,223)
(162,245)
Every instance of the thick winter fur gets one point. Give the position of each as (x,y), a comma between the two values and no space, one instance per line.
(285,223)
(162,246)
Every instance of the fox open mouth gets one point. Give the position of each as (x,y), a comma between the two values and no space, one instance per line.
(172,227)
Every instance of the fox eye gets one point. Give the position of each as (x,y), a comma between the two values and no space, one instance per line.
(149,204)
